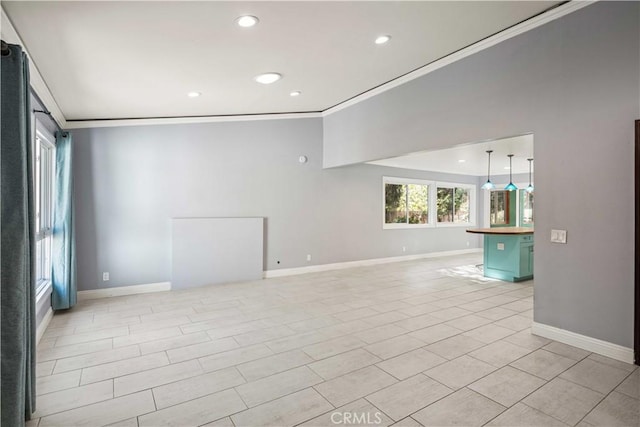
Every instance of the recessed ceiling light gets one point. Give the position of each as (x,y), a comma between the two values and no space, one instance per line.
(193,94)
(247,21)
(383,39)
(461,161)
(507,168)
(268,78)
(296,93)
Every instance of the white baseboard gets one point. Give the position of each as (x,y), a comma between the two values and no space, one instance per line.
(584,342)
(124,290)
(363,263)
(43,325)
(166,286)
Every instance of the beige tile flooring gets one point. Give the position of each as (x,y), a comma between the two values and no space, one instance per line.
(428,342)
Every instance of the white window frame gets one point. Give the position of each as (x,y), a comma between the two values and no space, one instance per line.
(44,221)
(487,205)
(403,181)
(520,207)
(473,202)
(432,203)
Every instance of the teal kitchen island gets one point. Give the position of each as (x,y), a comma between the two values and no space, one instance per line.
(508,252)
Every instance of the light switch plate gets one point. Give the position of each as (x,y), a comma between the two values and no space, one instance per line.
(559,236)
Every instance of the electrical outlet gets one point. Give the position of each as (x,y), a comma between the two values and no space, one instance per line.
(308,257)
(105,276)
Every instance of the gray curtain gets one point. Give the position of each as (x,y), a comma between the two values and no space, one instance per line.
(18,242)
(64,247)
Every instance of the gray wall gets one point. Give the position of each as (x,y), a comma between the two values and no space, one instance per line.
(206,251)
(575,84)
(130,182)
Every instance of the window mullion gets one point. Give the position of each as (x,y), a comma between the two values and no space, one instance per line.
(47,191)
(44,191)
(406,204)
(49,188)
(453,204)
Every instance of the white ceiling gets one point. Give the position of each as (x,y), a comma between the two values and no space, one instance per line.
(106,60)
(474,156)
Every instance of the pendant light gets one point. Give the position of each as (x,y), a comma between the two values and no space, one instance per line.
(511,186)
(489,185)
(529,189)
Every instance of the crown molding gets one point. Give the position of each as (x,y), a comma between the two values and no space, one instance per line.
(39,86)
(80,124)
(507,34)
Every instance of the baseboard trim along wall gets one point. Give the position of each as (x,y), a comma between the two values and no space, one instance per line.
(166,286)
(124,290)
(584,342)
(43,325)
(363,263)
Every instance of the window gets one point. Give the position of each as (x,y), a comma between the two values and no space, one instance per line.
(510,208)
(406,203)
(418,203)
(454,204)
(411,203)
(500,208)
(526,210)
(44,163)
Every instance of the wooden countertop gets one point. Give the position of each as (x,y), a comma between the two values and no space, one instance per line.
(501,230)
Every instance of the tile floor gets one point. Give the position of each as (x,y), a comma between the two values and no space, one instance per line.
(428,342)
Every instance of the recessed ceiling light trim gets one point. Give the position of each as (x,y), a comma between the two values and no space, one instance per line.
(295,93)
(268,78)
(247,21)
(194,94)
(383,39)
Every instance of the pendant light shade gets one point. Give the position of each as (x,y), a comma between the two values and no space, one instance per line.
(511,186)
(529,189)
(489,185)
